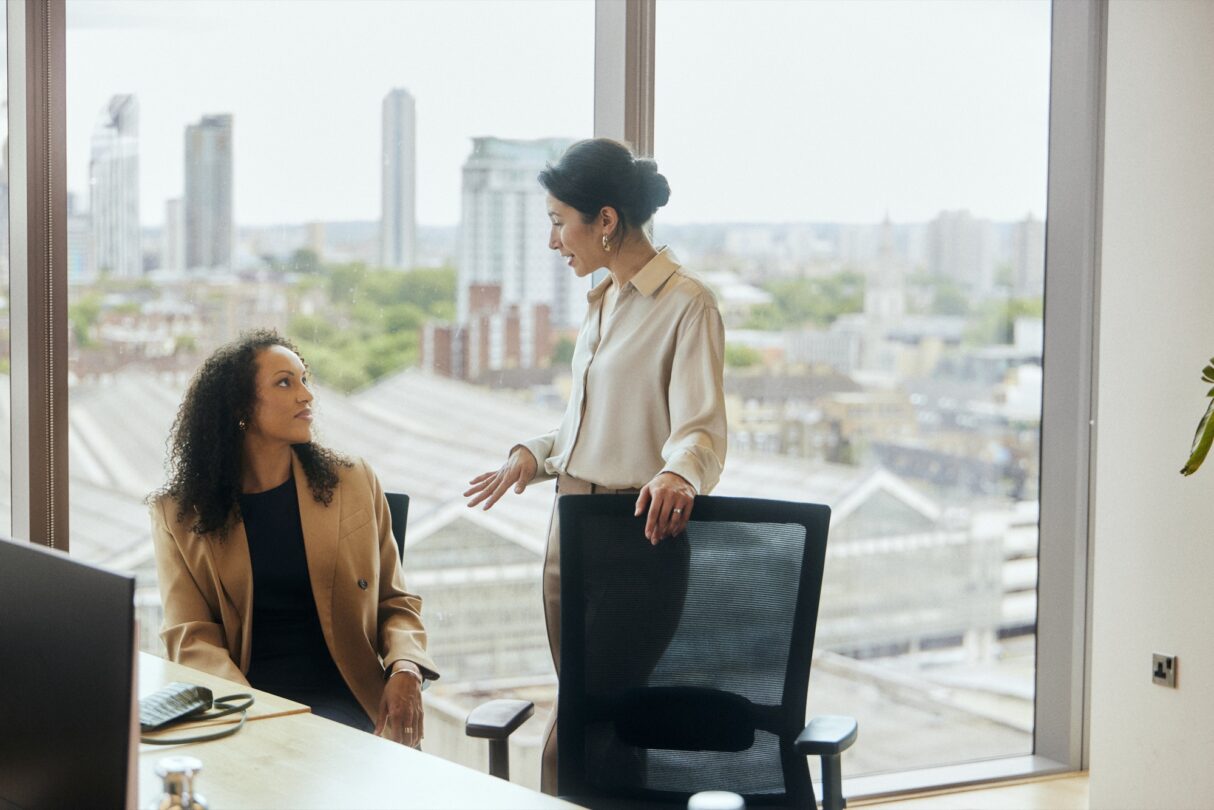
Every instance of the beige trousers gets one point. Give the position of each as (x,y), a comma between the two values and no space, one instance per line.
(566,485)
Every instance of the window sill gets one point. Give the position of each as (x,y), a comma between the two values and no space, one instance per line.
(905,783)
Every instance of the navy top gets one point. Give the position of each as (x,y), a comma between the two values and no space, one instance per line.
(289,656)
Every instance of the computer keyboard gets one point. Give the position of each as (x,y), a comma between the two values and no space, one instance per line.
(171,702)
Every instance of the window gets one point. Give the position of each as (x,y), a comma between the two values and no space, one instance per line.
(864,186)
(360,176)
(905,86)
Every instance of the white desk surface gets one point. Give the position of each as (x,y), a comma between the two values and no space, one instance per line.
(303,762)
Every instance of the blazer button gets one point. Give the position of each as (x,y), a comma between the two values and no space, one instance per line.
(362,583)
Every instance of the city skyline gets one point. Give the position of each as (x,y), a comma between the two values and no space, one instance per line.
(958,127)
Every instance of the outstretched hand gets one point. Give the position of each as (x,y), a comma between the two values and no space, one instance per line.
(489,487)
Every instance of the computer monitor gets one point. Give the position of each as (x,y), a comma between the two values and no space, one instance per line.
(67,681)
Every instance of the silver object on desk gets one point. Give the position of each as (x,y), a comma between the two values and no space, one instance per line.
(178,774)
(716,800)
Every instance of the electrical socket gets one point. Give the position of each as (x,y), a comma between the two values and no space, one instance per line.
(1163,670)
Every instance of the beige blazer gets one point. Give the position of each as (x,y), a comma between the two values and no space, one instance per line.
(368,619)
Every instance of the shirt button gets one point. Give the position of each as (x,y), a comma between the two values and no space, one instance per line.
(362,583)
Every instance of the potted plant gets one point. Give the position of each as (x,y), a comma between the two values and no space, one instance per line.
(1205,428)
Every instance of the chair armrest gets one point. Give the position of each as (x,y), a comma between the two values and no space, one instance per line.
(827,736)
(497,719)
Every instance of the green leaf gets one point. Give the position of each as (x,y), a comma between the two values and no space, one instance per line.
(1210,393)
(1207,373)
(1201,442)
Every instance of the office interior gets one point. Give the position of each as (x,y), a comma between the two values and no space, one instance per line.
(1128,283)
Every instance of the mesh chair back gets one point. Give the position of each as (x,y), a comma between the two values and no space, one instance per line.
(684,667)
(398,506)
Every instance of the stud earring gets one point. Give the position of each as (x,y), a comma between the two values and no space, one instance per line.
(606,244)
(242,425)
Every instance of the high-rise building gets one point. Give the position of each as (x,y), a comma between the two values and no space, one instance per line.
(173,251)
(962,248)
(504,232)
(114,188)
(208,193)
(1028,257)
(80,265)
(398,201)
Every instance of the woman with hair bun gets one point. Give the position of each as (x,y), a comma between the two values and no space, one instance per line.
(647,416)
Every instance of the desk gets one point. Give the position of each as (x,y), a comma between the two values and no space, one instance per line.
(297,760)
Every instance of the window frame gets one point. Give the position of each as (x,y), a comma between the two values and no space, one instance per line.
(37,108)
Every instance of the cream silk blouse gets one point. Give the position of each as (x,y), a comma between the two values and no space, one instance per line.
(647,392)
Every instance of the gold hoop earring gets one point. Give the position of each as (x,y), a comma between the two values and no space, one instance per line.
(606,244)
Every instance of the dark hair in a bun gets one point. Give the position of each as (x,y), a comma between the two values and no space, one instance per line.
(597,173)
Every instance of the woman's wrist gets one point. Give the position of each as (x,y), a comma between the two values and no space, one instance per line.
(397,667)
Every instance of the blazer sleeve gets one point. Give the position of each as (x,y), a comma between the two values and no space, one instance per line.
(401,633)
(191,630)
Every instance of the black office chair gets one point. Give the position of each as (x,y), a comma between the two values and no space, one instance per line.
(685,666)
(398,506)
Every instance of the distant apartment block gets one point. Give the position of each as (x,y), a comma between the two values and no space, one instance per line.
(962,248)
(173,249)
(80,266)
(504,232)
(492,338)
(114,189)
(398,206)
(208,193)
(1028,257)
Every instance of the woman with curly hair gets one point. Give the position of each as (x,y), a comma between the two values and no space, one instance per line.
(275,555)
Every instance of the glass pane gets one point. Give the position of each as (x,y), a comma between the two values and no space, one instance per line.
(344,172)
(864,185)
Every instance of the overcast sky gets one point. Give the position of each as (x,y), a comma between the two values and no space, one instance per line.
(766,110)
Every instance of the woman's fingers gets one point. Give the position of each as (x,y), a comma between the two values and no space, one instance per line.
(403,722)
(483,490)
(642,501)
(483,477)
(418,726)
(685,517)
(666,518)
(505,480)
(669,506)
(491,486)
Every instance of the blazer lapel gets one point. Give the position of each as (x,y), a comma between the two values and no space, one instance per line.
(235,570)
(320,526)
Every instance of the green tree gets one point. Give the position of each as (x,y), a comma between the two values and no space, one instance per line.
(370,327)
(562,352)
(83,315)
(949,299)
(808,301)
(305,260)
(739,356)
(993,322)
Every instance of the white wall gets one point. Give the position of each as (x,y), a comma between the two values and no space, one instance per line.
(1154,530)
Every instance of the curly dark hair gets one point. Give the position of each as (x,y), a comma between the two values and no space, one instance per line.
(204,458)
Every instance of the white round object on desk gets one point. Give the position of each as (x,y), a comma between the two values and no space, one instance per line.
(716,800)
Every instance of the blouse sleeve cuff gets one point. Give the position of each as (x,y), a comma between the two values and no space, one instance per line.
(538,447)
